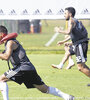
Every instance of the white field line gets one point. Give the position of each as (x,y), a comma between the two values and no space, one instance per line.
(43,98)
(31,98)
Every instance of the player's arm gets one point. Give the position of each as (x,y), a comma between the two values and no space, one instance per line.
(63,41)
(66,32)
(10,47)
(68,43)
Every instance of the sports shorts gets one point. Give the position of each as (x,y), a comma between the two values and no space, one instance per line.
(80,50)
(71,50)
(28,77)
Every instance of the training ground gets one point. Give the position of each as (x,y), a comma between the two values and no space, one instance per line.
(70,81)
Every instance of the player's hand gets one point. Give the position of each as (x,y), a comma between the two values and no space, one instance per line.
(60,42)
(56,29)
(67,43)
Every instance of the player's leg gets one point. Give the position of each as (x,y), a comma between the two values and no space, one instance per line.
(67,53)
(81,57)
(66,56)
(84,69)
(71,62)
(70,59)
(4,87)
(54,91)
(4,78)
(35,81)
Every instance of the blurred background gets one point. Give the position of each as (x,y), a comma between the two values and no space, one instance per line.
(34,34)
(34,21)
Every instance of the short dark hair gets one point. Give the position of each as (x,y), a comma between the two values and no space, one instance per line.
(71,10)
(3,29)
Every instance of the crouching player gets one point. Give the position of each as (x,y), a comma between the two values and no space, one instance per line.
(23,70)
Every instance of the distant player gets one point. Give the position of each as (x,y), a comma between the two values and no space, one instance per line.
(68,54)
(79,37)
(23,71)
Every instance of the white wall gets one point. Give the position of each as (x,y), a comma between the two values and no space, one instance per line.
(43,6)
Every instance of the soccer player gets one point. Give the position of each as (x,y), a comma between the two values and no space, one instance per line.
(79,37)
(68,52)
(23,70)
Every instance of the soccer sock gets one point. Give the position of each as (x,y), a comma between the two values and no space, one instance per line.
(56,92)
(71,61)
(4,90)
(60,65)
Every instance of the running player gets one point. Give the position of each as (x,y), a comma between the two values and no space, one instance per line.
(23,71)
(68,54)
(79,37)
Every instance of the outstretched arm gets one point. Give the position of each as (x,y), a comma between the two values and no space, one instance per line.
(63,41)
(68,43)
(68,31)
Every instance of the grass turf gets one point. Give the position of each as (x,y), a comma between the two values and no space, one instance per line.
(36,42)
(70,81)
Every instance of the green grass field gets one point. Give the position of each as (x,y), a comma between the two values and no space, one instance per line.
(70,81)
(36,42)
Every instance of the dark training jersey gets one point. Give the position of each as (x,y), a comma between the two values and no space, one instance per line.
(19,58)
(79,33)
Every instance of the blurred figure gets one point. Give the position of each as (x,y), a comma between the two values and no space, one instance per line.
(68,52)
(35,26)
(23,26)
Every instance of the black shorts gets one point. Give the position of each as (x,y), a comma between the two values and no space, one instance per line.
(71,50)
(27,77)
(80,50)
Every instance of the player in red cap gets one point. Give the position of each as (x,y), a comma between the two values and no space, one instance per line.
(23,70)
